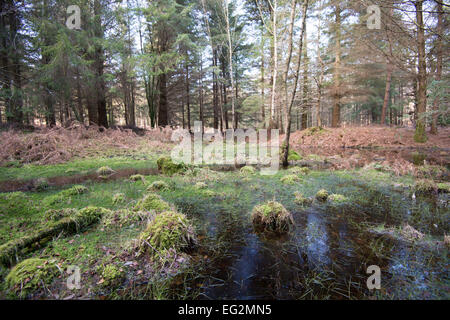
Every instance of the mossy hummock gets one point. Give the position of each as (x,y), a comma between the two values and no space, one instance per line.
(29,276)
(322,195)
(272,216)
(152,202)
(169,229)
(290,179)
(105,171)
(169,168)
(248,170)
(158,186)
(68,225)
(112,276)
(58,214)
(301,200)
(425,187)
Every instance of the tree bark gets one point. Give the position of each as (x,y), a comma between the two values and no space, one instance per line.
(420,135)
(285,146)
(336,118)
(439,58)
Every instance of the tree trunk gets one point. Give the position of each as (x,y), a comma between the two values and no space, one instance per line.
(287,137)
(439,58)
(163,119)
(336,118)
(420,135)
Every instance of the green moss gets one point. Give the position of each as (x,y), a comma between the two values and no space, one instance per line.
(54,199)
(158,186)
(290,179)
(420,136)
(15,203)
(208,193)
(299,170)
(169,229)
(425,187)
(272,216)
(118,198)
(152,202)
(168,167)
(322,195)
(431,172)
(248,170)
(301,200)
(294,156)
(29,276)
(64,196)
(137,177)
(123,217)
(90,215)
(74,191)
(41,184)
(112,276)
(338,198)
(444,187)
(55,215)
(105,171)
(201,186)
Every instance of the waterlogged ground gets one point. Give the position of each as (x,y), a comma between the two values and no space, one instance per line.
(325,256)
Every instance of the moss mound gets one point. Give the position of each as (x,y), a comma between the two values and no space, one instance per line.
(68,225)
(123,217)
(201,186)
(425,187)
(74,191)
(272,216)
(118,198)
(137,177)
(55,215)
(169,229)
(112,276)
(152,202)
(158,186)
(290,179)
(301,200)
(248,170)
(294,156)
(444,187)
(168,167)
(322,195)
(29,276)
(299,170)
(41,184)
(90,215)
(338,198)
(105,171)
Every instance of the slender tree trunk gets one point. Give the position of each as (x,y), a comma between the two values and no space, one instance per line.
(439,58)
(336,119)
(420,135)
(305,108)
(188,98)
(273,111)
(163,118)
(263,102)
(230,60)
(288,62)
(285,146)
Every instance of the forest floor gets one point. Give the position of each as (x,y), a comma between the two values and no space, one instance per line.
(378,216)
